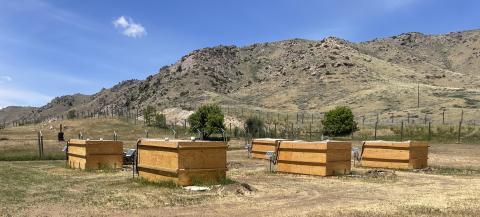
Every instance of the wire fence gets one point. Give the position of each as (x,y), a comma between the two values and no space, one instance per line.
(298,126)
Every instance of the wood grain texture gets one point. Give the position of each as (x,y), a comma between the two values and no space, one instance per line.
(260,147)
(95,154)
(182,161)
(322,158)
(395,155)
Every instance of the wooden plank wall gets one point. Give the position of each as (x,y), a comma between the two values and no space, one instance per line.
(95,154)
(395,155)
(260,147)
(182,161)
(314,158)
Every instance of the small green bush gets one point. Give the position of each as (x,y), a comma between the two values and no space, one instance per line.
(339,122)
(208,119)
(254,126)
(160,121)
(71,114)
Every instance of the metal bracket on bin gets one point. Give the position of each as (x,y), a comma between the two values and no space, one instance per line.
(248,146)
(272,158)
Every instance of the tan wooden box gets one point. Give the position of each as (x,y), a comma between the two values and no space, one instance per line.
(95,154)
(395,155)
(182,161)
(323,158)
(260,147)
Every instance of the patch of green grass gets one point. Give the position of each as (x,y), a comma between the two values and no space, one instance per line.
(455,171)
(14,184)
(161,184)
(31,157)
(102,169)
(220,181)
(415,210)
(388,177)
(226,181)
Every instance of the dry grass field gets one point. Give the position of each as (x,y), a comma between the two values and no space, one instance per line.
(47,188)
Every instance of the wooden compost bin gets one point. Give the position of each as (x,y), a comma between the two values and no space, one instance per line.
(260,147)
(323,158)
(182,161)
(95,154)
(395,155)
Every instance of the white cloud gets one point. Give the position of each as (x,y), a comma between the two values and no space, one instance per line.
(129,27)
(5,79)
(19,97)
(121,21)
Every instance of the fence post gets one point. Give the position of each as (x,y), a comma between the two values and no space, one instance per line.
(39,145)
(293,132)
(429,131)
(310,131)
(376,125)
(443,116)
(146,134)
(459,131)
(401,132)
(136,115)
(114,135)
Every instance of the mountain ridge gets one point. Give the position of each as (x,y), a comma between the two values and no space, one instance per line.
(376,76)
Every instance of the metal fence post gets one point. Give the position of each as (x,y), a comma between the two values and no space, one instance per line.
(459,131)
(401,132)
(429,131)
(39,145)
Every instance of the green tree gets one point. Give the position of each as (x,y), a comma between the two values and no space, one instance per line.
(160,121)
(339,122)
(254,126)
(71,114)
(148,115)
(208,119)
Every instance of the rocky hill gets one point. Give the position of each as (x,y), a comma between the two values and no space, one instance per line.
(377,76)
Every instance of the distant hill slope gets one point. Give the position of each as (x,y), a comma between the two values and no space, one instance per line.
(375,76)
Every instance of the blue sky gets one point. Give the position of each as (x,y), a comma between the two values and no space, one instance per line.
(58,47)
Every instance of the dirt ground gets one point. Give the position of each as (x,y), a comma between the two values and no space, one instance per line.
(449,188)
